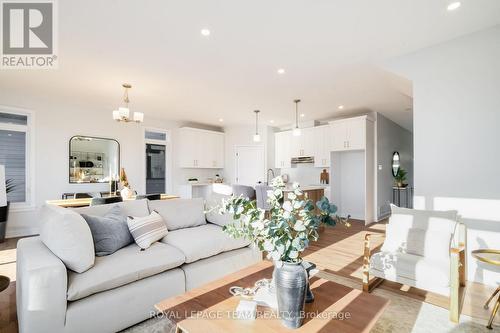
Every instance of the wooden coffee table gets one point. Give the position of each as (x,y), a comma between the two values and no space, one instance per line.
(208,309)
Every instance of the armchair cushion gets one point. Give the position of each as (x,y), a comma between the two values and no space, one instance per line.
(425,272)
(425,243)
(420,232)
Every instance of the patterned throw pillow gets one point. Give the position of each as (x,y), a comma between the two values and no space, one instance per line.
(147,230)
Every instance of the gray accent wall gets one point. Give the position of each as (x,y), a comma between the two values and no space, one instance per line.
(390,138)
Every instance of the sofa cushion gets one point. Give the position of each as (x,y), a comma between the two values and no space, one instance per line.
(180,213)
(124,266)
(129,207)
(110,232)
(203,241)
(212,206)
(68,236)
(147,230)
(416,268)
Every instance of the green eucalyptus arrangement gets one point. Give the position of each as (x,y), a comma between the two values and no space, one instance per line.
(286,231)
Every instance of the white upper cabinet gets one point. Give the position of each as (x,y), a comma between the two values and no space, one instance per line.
(356,133)
(201,148)
(303,145)
(348,134)
(322,146)
(282,146)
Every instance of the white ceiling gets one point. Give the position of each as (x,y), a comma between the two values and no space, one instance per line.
(329,49)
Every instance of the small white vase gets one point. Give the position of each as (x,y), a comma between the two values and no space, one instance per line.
(126,193)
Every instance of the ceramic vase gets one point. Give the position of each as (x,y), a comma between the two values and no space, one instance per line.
(291,287)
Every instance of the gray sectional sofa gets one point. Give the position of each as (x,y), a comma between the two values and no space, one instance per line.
(119,290)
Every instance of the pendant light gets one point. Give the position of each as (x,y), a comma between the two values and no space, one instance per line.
(256,137)
(296,131)
(123,113)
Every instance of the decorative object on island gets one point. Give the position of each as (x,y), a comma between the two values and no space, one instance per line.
(296,130)
(126,192)
(283,233)
(324,177)
(123,113)
(218,179)
(396,163)
(6,186)
(400,178)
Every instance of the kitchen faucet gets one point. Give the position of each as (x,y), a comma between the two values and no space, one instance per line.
(267,176)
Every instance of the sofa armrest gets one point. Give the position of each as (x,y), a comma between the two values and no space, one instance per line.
(41,288)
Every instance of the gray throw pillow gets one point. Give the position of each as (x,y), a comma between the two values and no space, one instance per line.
(110,232)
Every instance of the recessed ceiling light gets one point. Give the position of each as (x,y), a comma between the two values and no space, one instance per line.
(341,107)
(302,115)
(281,71)
(221,120)
(271,121)
(205,32)
(454,5)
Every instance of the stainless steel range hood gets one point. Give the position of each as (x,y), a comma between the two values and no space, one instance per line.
(302,160)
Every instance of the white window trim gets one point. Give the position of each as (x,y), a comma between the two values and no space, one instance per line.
(168,155)
(29,129)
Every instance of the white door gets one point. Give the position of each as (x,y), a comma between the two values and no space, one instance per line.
(250,165)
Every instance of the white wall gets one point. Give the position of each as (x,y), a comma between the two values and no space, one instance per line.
(54,126)
(390,138)
(456,135)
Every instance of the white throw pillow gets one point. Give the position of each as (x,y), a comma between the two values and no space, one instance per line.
(147,230)
(68,236)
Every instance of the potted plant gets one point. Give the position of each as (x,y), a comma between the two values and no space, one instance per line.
(4,210)
(400,178)
(283,234)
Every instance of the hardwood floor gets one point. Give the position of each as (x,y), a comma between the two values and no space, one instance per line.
(338,251)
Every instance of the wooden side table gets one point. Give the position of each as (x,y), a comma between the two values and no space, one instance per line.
(491,257)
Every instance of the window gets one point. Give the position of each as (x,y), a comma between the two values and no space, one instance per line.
(14,154)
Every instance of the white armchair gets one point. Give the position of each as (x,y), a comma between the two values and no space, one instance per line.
(422,249)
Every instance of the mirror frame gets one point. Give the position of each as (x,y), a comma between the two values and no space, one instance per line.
(392,163)
(92,137)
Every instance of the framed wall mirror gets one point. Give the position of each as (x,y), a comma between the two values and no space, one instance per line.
(93,160)
(396,163)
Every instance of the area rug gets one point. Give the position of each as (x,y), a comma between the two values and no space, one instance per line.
(403,315)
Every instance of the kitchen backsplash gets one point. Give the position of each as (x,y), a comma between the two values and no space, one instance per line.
(305,174)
